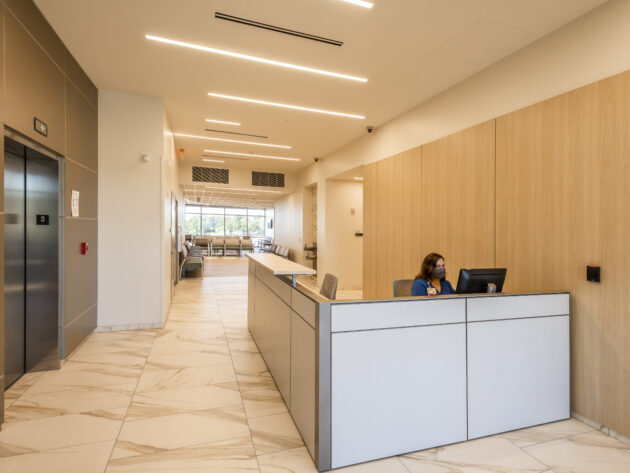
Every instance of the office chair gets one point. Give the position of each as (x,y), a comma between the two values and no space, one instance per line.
(329,287)
(402,287)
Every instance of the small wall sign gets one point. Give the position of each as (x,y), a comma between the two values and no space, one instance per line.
(43,220)
(75,203)
(40,127)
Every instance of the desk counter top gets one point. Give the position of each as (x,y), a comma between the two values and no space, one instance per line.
(280,266)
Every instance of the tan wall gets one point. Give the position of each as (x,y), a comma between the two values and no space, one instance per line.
(41,79)
(550,199)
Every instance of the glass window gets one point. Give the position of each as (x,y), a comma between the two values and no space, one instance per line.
(193,209)
(235,225)
(213,210)
(256,226)
(212,224)
(193,224)
(256,212)
(233,211)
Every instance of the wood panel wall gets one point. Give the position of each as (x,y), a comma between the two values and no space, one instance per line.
(543,191)
(563,202)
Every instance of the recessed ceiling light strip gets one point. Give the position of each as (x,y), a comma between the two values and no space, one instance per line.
(223,122)
(277,29)
(184,135)
(236,133)
(213,160)
(359,3)
(247,57)
(250,155)
(282,105)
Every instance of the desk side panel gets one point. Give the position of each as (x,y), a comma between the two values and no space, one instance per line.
(272,328)
(513,307)
(518,374)
(397,391)
(347,317)
(303,379)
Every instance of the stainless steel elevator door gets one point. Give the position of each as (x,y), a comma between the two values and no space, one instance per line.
(31,261)
(14,271)
(42,262)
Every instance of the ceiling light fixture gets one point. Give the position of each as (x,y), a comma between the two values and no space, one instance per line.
(213,161)
(223,122)
(272,62)
(184,135)
(357,178)
(282,105)
(360,3)
(250,155)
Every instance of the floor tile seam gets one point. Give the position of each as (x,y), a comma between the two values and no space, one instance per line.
(68,413)
(251,436)
(570,437)
(192,445)
(48,450)
(542,442)
(79,388)
(122,423)
(184,411)
(547,467)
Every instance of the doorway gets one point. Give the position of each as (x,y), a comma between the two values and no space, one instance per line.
(31,259)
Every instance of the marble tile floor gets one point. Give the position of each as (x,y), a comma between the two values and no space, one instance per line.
(196,396)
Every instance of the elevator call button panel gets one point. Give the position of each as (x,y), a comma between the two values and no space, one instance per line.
(43,220)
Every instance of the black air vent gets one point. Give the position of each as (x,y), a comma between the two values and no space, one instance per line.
(267,179)
(216,175)
(278,29)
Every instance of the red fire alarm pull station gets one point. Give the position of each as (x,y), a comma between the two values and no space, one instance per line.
(84,248)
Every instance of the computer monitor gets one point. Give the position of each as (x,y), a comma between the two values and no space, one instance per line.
(472,281)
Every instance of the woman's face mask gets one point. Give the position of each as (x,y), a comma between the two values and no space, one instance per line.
(438,273)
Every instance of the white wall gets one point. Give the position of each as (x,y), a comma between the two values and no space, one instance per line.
(586,50)
(129,211)
(169,185)
(344,255)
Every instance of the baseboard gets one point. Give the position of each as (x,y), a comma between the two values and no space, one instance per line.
(601,428)
(118,328)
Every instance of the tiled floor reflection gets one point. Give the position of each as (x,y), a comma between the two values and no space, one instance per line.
(197,397)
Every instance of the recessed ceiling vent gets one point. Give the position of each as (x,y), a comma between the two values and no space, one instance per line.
(267,179)
(215,175)
(277,29)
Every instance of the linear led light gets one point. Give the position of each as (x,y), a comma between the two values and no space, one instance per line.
(222,122)
(213,160)
(357,178)
(282,105)
(360,3)
(272,62)
(250,155)
(232,141)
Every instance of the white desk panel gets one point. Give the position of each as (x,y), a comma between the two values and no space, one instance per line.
(406,313)
(397,391)
(501,307)
(518,374)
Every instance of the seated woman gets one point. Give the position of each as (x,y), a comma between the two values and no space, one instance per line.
(432,278)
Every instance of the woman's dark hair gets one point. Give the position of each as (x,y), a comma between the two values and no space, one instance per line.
(428,265)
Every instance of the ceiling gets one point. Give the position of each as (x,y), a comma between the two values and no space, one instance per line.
(410,50)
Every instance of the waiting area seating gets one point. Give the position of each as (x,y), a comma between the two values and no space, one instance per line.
(189,261)
(221,245)
(282,251)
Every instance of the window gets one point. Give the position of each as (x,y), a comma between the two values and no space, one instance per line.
(235,225)
(193,224)
(213,224)
(218,221)
(256,226)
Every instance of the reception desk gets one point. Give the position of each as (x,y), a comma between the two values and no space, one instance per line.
(369,379)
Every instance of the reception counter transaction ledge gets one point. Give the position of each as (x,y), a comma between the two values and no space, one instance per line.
(369,379)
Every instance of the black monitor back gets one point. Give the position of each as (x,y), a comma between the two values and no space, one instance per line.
(473,281)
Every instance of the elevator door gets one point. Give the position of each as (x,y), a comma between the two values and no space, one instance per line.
(31,261)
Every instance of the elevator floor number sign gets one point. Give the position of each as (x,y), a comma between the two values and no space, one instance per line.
(43,220)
